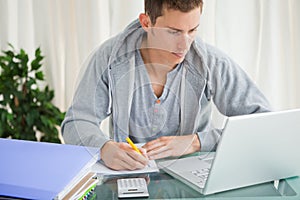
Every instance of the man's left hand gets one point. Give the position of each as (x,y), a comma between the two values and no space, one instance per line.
(172,146)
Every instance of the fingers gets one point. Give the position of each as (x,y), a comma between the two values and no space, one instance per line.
(161,153)
(144,153)
(130,159)
(128,163)
(159,148)
(157,143)
(172,146)
(137,157)
(143,158)
(120,156)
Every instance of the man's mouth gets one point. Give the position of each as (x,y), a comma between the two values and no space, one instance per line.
(179,55)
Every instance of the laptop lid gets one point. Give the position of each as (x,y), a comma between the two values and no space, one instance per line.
(254,149)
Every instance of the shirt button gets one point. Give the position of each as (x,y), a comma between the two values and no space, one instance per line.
(158,101)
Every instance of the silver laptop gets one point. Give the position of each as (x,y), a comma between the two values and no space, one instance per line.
(253,149)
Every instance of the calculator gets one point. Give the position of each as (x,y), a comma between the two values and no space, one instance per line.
(132,187)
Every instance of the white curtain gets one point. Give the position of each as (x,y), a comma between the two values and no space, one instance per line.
(261,35)
(66,30)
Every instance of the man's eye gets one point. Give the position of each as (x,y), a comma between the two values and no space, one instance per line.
(174,32)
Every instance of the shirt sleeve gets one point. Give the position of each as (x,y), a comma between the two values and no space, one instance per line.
(233,93)
(81,125)
(209,139)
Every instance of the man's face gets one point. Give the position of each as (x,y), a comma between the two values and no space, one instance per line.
(173,33)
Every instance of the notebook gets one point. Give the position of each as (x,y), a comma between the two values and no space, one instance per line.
(253,149)
(40,170)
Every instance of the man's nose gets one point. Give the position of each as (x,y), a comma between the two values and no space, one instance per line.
(183,42)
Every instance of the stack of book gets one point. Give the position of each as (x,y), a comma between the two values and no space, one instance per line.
(39,170)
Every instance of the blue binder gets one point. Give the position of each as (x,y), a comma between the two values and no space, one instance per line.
(39,170)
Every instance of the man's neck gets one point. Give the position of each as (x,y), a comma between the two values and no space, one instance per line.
(155,62)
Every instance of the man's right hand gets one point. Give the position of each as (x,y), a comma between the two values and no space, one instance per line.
(121,156)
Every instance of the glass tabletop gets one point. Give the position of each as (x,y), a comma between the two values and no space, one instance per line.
(164,186)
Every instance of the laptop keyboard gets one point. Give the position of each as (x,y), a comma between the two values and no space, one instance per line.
(201,176)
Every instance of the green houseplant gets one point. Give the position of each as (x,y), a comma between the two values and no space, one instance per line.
(26,109)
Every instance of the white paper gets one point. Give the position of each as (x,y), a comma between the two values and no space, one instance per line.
(100,168)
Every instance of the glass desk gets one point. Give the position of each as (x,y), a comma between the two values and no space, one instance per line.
(163,186)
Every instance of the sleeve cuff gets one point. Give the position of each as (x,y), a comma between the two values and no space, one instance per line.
(209,140)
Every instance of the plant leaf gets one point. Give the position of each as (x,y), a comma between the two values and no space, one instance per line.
(39,75)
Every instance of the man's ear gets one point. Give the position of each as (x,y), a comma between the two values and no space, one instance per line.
(145,21)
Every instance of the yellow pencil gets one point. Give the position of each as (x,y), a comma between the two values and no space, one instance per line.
(133,145)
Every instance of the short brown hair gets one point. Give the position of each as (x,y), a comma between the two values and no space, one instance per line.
(154,8)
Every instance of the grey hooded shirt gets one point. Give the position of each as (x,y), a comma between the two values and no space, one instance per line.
(116,84)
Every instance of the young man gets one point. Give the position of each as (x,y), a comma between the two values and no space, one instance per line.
(157,82)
